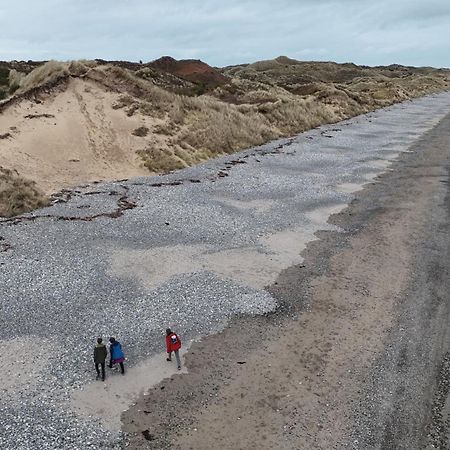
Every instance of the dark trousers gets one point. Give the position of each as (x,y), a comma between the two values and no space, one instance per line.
(122,367)
(98,369)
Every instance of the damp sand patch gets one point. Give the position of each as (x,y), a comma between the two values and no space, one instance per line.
(106,401)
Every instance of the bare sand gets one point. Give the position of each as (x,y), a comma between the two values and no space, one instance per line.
(349,188)
(71,138)
(107,400)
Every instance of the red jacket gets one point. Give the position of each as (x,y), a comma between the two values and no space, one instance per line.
(173,343)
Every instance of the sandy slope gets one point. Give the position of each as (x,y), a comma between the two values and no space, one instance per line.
(81,138)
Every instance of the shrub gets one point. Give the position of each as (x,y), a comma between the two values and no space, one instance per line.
(49,71)
(18,195)
(200,89)
(141,131)
(4,76)
(160,160)
(164,128)
(123,100)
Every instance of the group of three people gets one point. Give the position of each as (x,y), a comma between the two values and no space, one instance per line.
(173,344)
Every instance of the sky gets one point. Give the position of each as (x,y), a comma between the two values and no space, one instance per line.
(225,32)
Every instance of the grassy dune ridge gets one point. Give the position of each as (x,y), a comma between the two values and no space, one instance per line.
(182,119)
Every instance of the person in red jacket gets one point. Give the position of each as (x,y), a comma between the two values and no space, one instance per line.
(173,344)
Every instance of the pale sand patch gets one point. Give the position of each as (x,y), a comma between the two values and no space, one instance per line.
(370,176)
(349,188)
(19,369)
(320,216)
(380,164)
(259,267)
(156,266)
(259,206)
(107,400)
(247,266)
(383,164)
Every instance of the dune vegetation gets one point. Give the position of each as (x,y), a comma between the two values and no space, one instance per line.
(181,113)
(17,194)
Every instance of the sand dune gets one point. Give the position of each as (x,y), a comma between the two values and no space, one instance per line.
(73,137)
(63,124)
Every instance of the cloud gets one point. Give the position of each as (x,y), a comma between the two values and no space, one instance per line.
(236,31)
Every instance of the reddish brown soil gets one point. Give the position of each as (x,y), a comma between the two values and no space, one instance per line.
(192,70)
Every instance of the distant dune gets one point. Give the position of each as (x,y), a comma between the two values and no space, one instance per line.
(62,124)
(191,70)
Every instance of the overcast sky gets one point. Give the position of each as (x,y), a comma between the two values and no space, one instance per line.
(223,32)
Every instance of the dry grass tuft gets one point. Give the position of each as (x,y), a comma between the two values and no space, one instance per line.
(141,131)
(48,72)
(164,128)
(18,195)
(124,101)
(161,160)
(15,78)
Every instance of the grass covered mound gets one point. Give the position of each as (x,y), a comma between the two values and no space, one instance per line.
(18,195)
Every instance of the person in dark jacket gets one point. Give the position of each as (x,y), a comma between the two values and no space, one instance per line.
(100,354)
(116,354)
(173,344)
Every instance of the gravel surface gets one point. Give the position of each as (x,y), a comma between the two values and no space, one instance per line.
(130,258)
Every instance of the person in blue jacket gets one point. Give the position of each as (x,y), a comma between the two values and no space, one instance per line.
(116,353)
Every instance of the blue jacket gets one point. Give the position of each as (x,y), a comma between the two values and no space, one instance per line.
(116,351)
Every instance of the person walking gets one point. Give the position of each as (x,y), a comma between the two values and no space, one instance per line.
(173,344)
(100,354)
(116,354)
